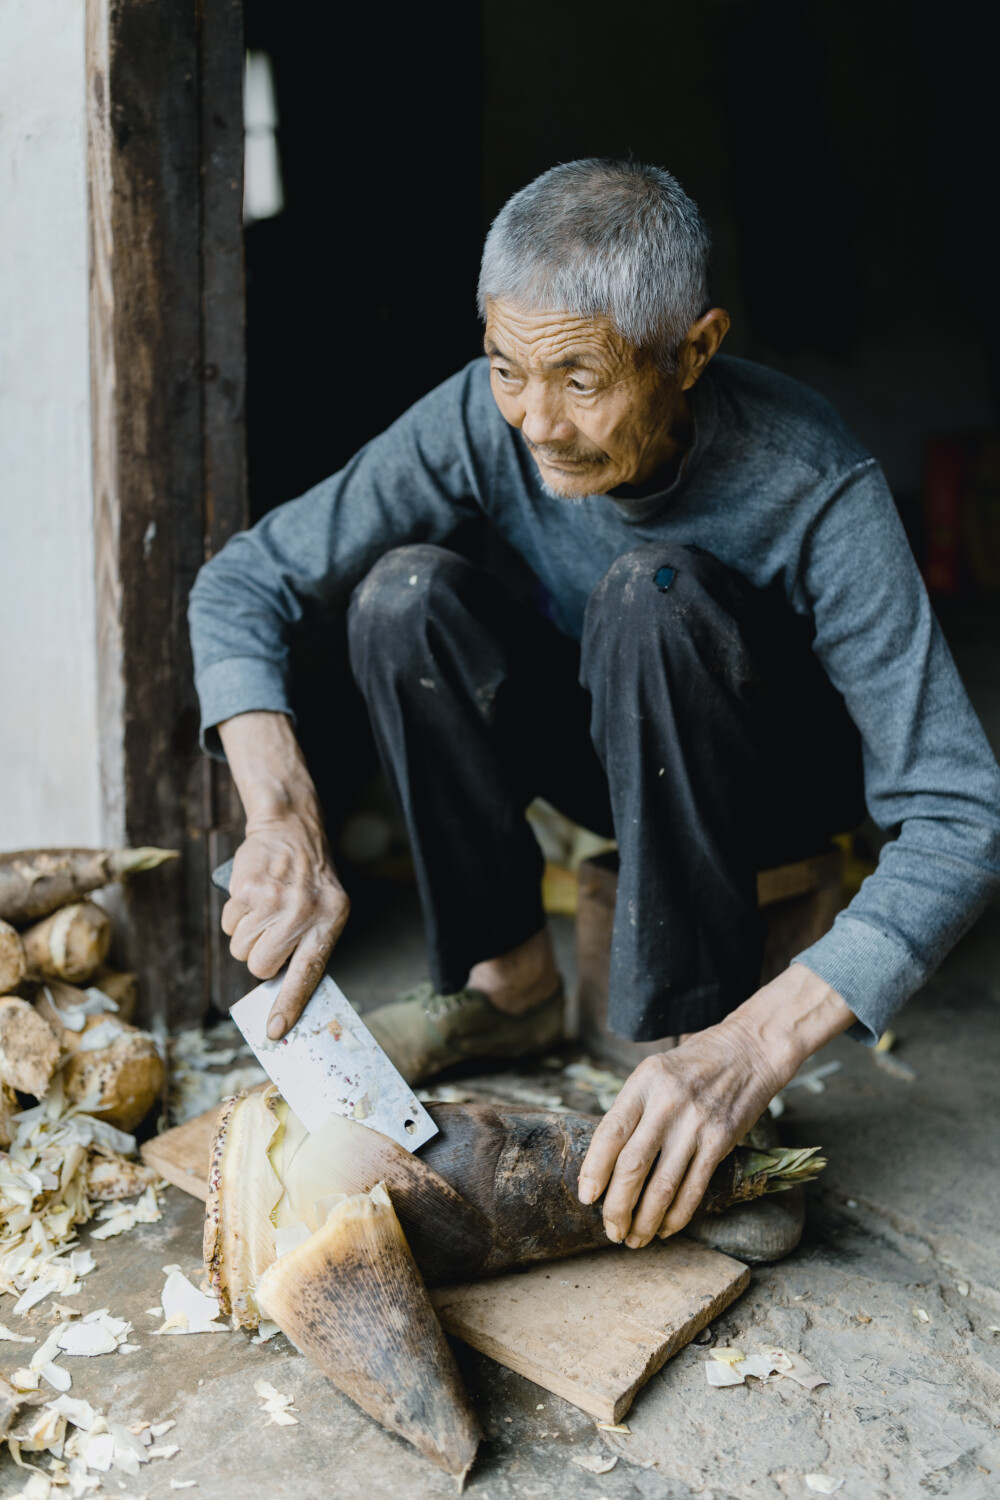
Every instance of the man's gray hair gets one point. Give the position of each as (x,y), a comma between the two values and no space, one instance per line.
(603,238)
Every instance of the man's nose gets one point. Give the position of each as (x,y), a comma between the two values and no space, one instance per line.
(544,420)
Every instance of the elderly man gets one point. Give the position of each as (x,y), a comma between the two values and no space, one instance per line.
(733,650)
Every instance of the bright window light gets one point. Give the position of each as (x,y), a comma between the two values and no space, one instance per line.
(262,192)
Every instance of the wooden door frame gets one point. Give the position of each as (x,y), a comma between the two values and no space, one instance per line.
(167,312)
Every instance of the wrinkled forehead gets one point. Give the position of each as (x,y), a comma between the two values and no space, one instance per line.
(550,339)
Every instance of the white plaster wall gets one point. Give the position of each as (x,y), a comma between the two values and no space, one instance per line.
(49,784)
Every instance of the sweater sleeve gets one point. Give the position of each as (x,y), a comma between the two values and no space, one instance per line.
(413,483)
(928,766)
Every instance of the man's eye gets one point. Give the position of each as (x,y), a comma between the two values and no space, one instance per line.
(504,374)
(585,387)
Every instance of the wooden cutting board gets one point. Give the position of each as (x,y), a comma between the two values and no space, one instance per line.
(181,1154)
(594,1328)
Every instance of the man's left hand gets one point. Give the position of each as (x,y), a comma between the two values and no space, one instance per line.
(680,1112)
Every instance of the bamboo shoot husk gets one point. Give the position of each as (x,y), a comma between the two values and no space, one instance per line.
(13,963)
(351,1298)
(119,1082)
(70,944)
(29,1052)
(34,882)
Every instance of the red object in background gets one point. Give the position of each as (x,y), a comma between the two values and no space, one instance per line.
(944,476)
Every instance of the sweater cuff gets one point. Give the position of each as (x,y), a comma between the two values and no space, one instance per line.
(872,972)
(238,685)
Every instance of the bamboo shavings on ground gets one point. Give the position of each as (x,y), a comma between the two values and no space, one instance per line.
(83,1446)
(44,1197)
(8,1336)
(731,1366)
(606,1085)
(279,1408)
(186,1309)
(202,1072)
(120,1216)
(597,1463)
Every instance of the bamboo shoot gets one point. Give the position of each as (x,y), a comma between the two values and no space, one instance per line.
(71,944)
(13,964)
(119,1081)
(29,1050)
(496,1188)
(34,882)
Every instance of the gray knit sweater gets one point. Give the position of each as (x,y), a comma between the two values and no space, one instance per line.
(776,487)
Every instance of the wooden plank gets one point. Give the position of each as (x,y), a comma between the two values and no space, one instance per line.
(165,143)
(181,1155)
(800,878)
(594,1328)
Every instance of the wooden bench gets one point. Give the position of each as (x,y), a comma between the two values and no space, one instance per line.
(799,902)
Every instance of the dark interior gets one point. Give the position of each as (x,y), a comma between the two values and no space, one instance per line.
(843,154)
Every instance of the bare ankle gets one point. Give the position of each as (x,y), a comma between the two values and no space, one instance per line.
(521,979)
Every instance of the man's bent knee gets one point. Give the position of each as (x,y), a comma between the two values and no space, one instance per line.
(664,579)
(395,595)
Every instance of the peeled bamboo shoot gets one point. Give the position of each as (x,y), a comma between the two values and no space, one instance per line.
(34,882)
(29,1050)
(119,1081)
(70,944)
(13,964)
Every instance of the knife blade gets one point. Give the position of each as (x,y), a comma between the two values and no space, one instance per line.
(329,1063)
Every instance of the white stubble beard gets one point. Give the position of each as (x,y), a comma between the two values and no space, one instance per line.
(571,499)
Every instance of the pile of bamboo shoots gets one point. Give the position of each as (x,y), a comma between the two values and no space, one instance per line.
(75,1076)
(335,1236)
(59,1004)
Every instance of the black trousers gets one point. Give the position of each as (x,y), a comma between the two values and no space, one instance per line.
(693,723)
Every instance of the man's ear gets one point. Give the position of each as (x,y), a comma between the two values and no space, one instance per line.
(702,343)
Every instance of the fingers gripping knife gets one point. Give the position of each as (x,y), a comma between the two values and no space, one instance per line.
(329,1063)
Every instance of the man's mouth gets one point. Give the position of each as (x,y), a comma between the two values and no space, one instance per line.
(567,462)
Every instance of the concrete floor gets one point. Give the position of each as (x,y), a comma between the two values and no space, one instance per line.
(904,1218)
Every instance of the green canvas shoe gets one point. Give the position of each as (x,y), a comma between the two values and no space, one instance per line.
(424,1033)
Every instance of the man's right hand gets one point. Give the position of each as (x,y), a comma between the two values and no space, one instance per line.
(285,904)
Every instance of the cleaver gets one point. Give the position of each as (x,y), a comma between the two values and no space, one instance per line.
(329,1063)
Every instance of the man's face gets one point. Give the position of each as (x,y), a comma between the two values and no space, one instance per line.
(594,413)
